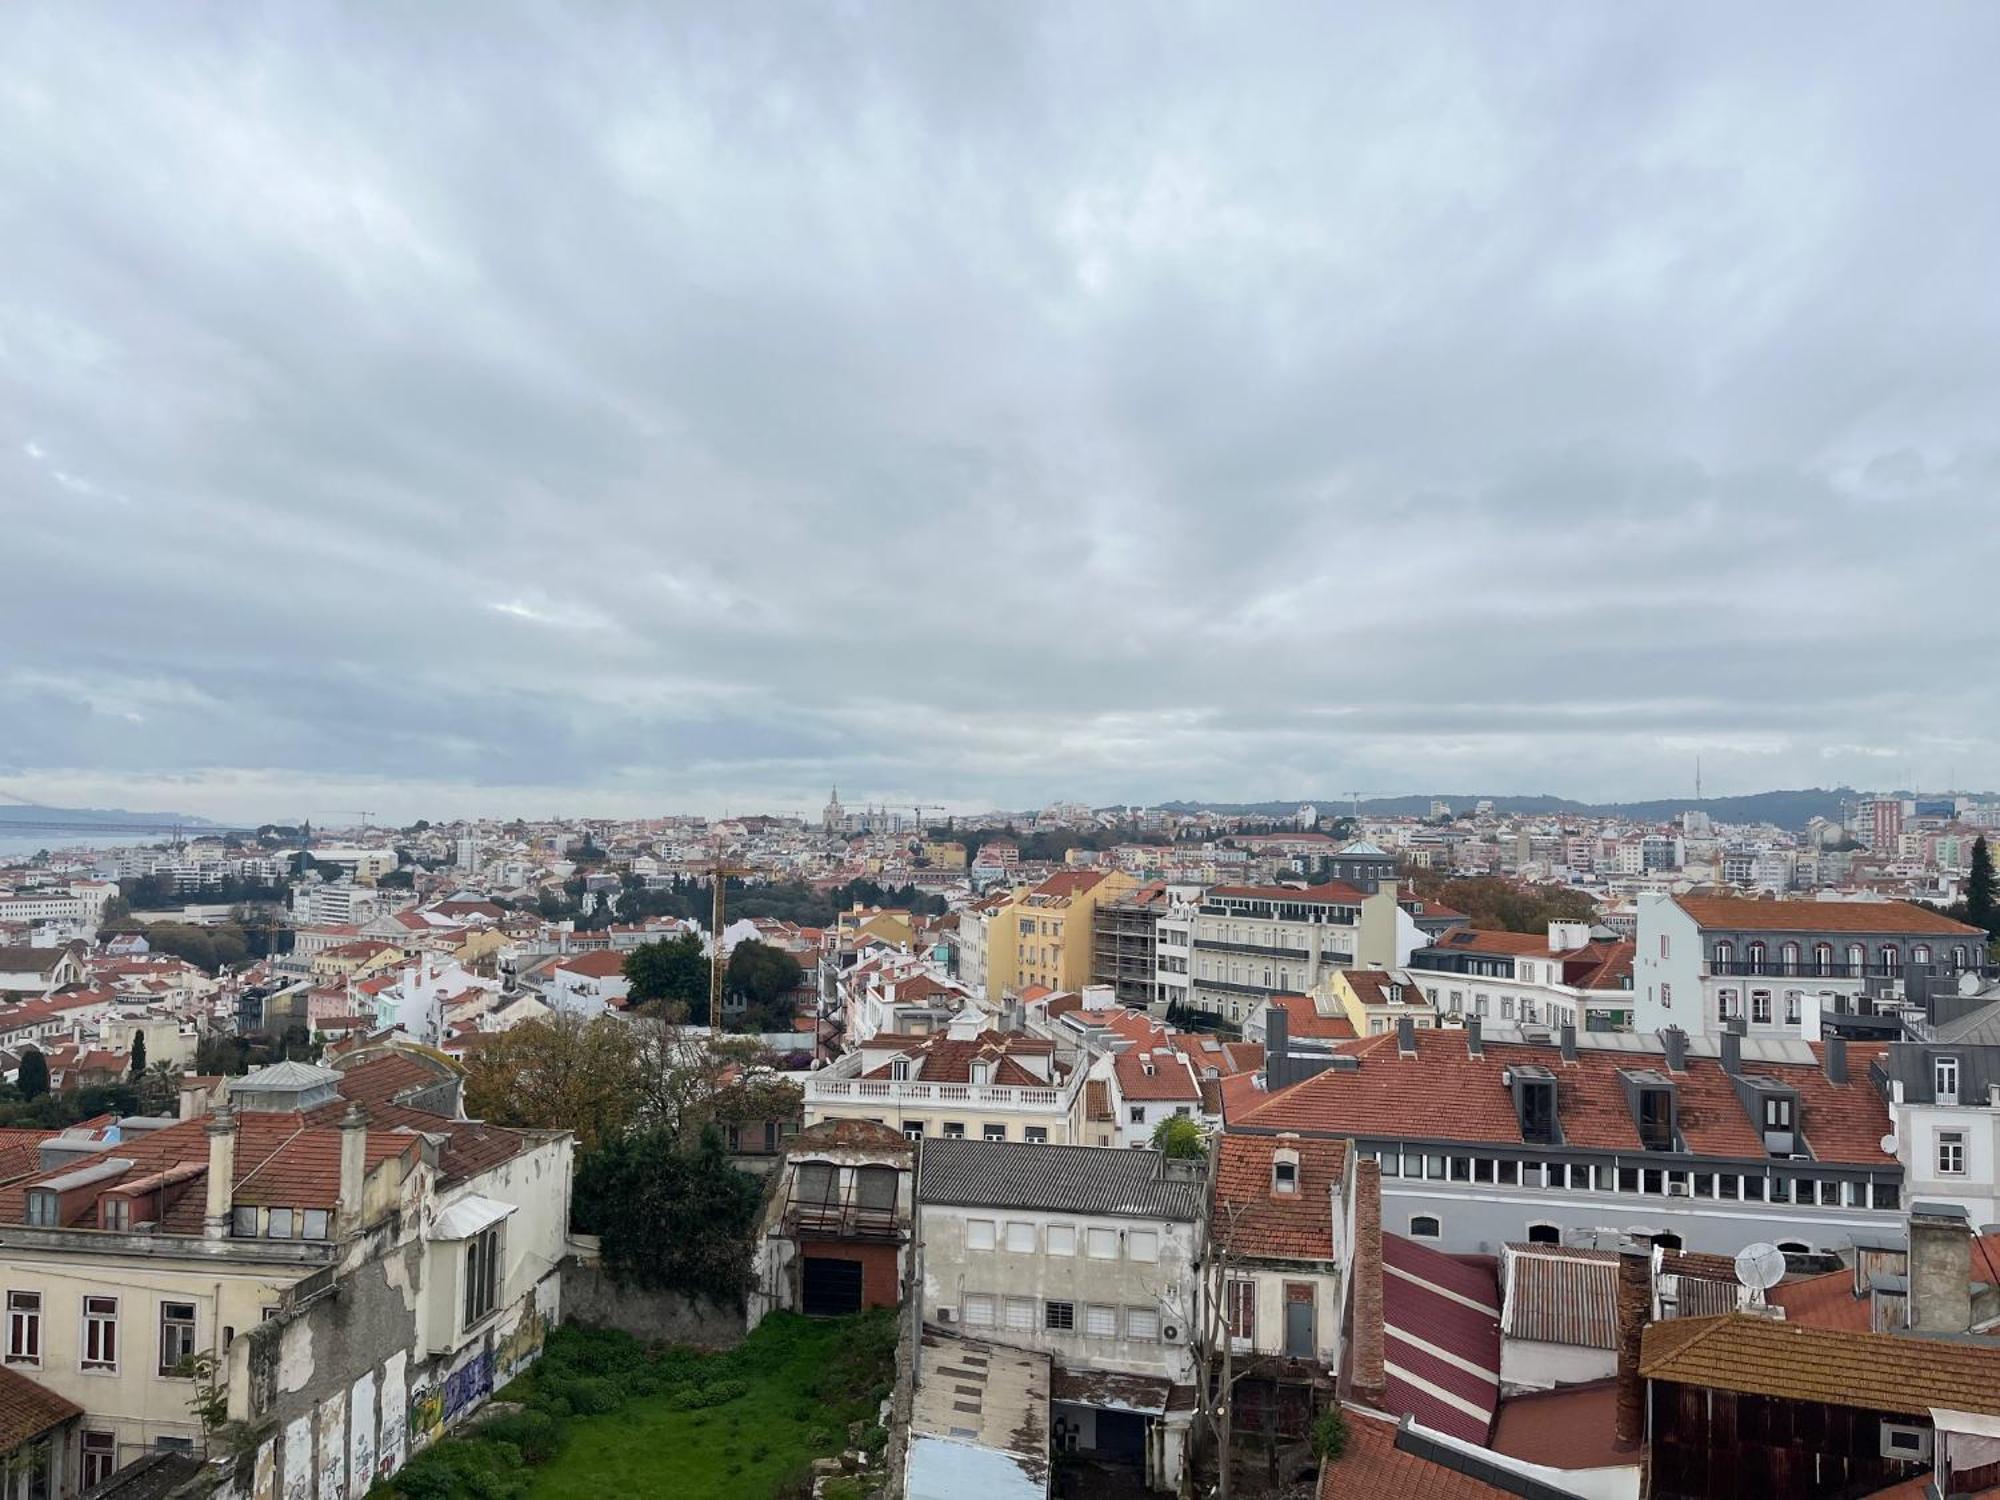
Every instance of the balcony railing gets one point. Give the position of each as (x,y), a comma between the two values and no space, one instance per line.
(1804,969)
(838,1220)
(1262,950)
(916,1094)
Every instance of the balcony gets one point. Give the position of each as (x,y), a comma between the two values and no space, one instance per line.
(841,1220)
(1260,950)
(1743,969)
(916,1094)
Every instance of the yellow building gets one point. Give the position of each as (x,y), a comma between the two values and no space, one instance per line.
(1043,934)
(1373,1000)
(945,856)
(356,960)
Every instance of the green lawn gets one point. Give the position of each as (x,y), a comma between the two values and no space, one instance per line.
(806,1380)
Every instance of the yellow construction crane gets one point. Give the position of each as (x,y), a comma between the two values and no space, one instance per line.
(719,876)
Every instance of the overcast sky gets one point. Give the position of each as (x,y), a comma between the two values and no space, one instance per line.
(487,408)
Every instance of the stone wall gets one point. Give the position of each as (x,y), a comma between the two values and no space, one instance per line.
(591,1296)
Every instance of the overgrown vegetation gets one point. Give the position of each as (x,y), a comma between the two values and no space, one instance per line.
(671,1219)
(1492,902)
(604,1416)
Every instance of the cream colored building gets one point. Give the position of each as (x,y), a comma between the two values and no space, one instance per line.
(955,1084)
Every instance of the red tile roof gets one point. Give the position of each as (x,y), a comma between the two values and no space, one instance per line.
(601,964)
(29,1409)
(1151,1075)
(1305,1021)
(1442,1092)
(1573,1427)
(948,1059)
(1823,1302)
(1282,1226)
(1333,892)
(1374,1468)
(1868,1371)
(1732,913)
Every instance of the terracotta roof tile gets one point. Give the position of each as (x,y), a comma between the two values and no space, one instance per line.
(1374,1468)
(27,1410)
(1726,913)
(1869,1371)
(1282,1226)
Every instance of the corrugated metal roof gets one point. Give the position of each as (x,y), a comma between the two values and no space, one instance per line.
(1559,1296)
(1107,1180)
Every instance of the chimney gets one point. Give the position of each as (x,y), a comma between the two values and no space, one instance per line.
(1676,1042)
(1277,1044)
(1635,1302)
(1836,1059)
(1940,1269)
(1367,1382)
(1406,1035)
(1732,1052)
(221,1174)
(353,1168)
(1569,1041)
(1473,1046)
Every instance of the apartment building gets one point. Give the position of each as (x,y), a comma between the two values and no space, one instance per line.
(1045,934)
(1281,1230)
(959,1084)
(1125,946)
(1252,942)
(360,1263)
(36,973)
(1087,1254)
(1488,1137)
(1577,976)
(1783,967)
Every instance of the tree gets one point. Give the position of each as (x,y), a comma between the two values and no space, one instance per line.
(33,1078)
(1980,903)
(764,976)
(138,1068)
(1492,902)
(673,971)
(1329,1434)
(669,1220)
(1182,1137)
(1216,1374)
(160,1089)
(564,1073)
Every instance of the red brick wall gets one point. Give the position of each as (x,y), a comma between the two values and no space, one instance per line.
(879,1285)
(1367,1378)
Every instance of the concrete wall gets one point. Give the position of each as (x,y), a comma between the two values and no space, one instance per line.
(590,1296)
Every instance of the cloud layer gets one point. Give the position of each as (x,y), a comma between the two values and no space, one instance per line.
(490,408)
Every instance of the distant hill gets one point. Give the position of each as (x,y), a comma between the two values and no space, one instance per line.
(83,819)
(1786,809)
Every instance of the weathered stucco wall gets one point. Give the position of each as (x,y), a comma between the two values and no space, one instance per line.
(590,1296)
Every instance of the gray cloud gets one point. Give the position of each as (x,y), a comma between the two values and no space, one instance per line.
(517,408)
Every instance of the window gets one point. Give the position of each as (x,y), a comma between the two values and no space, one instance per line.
(1142,1244)
(1822,958)
(1788,958)
(1284,1175)
(1756,956)
(42,1212)
(278,1224)
(978,1310)
(1424,1227)
(1667,996)
(176,1335)
(1059,1317)
(1777,1112)
(100,1457)
(1142,1323)
(1138,1114)
(993,1132)
(1102,1244)
(1062,1239)
(482,1275)
(1760,1007)
(243,1222)
(1951,1153)
(1100,1322)
(979,1234)
(1666,948)
(1020,1237)
(1020,1314)
(1899,1440)
(114,1212)
(1944,1077)
(981,1072)
(1035,1135)
(100,1333)
(24,1328)
(1794,1003)
(913,1129)
(899,1070)
(1892,959)
(1545,1234)
(954,1130)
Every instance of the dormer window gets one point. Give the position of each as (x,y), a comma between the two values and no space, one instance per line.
(1944,1080)
(982,1072)
(1656,1119)
(1777,1112)
(114,1212)
(900,1070)
(1285,1172)
(42,1209)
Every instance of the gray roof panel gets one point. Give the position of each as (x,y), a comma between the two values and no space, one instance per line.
(1106,1180)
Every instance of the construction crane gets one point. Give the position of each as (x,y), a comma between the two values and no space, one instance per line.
(1355,798)
(350,812)
(720,873)
(920,808)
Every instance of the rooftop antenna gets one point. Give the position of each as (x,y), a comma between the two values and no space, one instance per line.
(1759,1267)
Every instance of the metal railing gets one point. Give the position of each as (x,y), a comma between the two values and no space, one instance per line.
(915,1094)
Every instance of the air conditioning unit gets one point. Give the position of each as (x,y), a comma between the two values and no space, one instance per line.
(1677,1190)
(1170,1333)
(947,1315)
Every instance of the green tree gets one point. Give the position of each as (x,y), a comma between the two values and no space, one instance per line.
(1980,908)
(673,971)
(33,1078)
(1180,1136)
(762,975)
(670,1220)
(138,1068)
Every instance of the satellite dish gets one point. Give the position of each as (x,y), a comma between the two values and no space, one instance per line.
(1888,1144)
(1760,1267)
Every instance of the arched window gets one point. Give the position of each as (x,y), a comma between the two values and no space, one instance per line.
(1424,1227)
(1892,959)
(1921,953)
(1788,958)
(1545,1234)
(1795,1003)
(1822,958)
(1857,960)
(1958,955)
(1668,1241)
(1756,956)
(1725,954)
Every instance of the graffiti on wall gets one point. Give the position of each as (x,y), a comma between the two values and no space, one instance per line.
(361,1437)
(395,1413)
(299,1459)
(523,1346)
(264,1477)
(332,1445)
(468,1385)
(426,1411)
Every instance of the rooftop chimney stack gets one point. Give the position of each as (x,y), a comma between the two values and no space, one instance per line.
(1676,1042)
(1634,1304)
(1940,1269)
(1406,1035)
(1474,1046)
(1569,1041)
(353,1168)
(1836,1059)
(1732,1052)
(221,1184)
(1277,1041)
